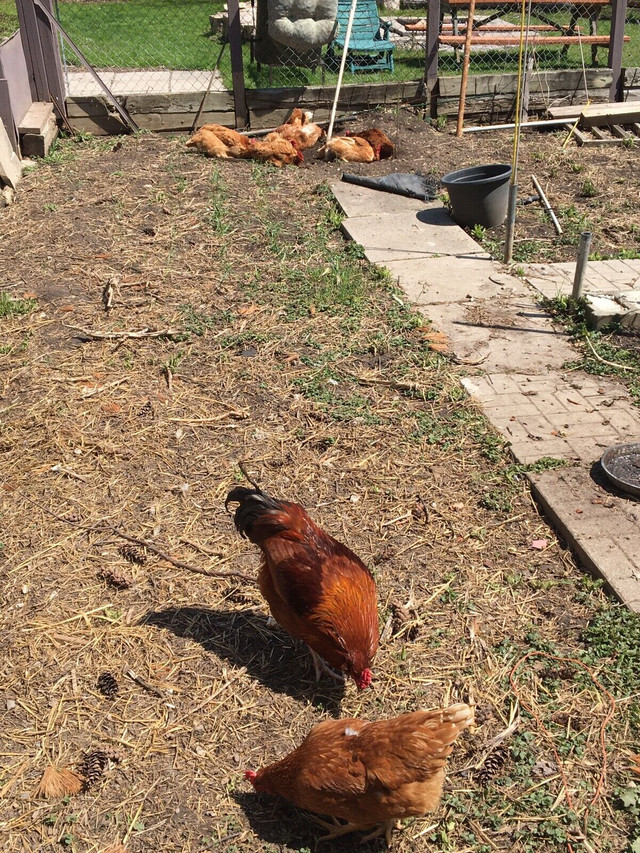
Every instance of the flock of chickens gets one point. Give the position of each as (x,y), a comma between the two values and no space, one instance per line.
(368,774)
(284,145)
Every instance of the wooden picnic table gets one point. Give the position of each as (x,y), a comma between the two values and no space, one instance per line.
(590,9)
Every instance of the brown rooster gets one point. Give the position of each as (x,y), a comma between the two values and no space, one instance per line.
(316,588)
(352,149)
(368,773)
(276,150)
(214,140)
(382,146)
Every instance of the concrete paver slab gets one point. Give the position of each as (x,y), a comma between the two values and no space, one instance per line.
(495,325)
(361,201)
(603,529)
(566,424)
(608,277)
(429,281)
(418,235)
(502,332)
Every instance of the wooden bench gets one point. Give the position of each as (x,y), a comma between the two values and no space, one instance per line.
(590,9)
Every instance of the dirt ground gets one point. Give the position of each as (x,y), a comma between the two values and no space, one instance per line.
(262,336)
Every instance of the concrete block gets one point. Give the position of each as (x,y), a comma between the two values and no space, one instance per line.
(630,300)
(36,119)
(38,144)
(602,311)
(631,320)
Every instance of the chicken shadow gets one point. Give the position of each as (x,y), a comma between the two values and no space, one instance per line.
(276,821)
(244,639)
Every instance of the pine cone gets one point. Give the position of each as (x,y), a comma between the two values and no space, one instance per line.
(133,554)
(402,615)
(120,580)
(93,766)
(107,685)
(493,764)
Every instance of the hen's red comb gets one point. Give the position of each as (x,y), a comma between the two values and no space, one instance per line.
(250,775)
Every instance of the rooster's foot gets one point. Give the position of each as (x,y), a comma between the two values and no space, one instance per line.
(335,829)
(321,666)
(387,827)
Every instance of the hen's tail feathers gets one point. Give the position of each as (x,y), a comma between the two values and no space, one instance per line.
(440,729)
(252,505)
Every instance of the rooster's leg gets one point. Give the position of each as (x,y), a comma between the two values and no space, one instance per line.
(387,827)
(321,666)
(335,829)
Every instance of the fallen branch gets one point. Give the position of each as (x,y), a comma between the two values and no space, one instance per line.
(149,687)
(123,336)
(179,564)
(605,361)
(101,527)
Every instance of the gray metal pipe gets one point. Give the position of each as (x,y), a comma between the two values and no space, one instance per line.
(511,223)
(581,264)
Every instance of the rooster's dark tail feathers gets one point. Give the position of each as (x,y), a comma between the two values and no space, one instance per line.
(252,505)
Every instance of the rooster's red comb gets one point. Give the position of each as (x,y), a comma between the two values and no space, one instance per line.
(250,775)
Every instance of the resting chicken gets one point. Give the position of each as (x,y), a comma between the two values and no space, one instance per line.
(368,773)
(352,149)
(382,146)
(214,140)
(317,589)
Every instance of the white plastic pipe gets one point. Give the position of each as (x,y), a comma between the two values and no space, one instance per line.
(343,62)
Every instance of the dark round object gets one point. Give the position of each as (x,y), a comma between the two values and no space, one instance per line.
(479,195)
(107,685)
(621,464)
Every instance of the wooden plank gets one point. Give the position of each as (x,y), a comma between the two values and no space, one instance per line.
(182,121)
(544,81)
(141,104)
(184,103)
(635,127)
(600,115)
(514,41)
(10,168)
(620,132)
(321,97)
(577,134)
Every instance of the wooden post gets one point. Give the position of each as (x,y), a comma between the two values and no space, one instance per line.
(32,49)
(237,65)
(465,66)
(51,53)
(41,50)
(618,20)
(431,55)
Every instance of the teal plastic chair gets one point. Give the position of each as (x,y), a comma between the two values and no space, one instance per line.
(369,47)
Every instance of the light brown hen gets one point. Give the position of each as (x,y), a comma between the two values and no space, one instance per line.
(352,149)
(368,773)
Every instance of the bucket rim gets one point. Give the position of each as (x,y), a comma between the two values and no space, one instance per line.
(457,177)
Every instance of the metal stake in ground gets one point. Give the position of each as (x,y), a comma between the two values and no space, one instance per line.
(465,66)
(581,264)
(343,62)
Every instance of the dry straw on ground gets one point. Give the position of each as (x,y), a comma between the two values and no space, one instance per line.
(294,355)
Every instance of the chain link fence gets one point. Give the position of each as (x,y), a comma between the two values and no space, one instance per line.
(8,18)
(559,35)
(146,46)
(181,46)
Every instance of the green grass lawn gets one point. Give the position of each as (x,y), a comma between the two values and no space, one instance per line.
(8,18)
(143,33)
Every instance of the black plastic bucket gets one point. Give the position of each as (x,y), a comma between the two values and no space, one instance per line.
(479,195)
